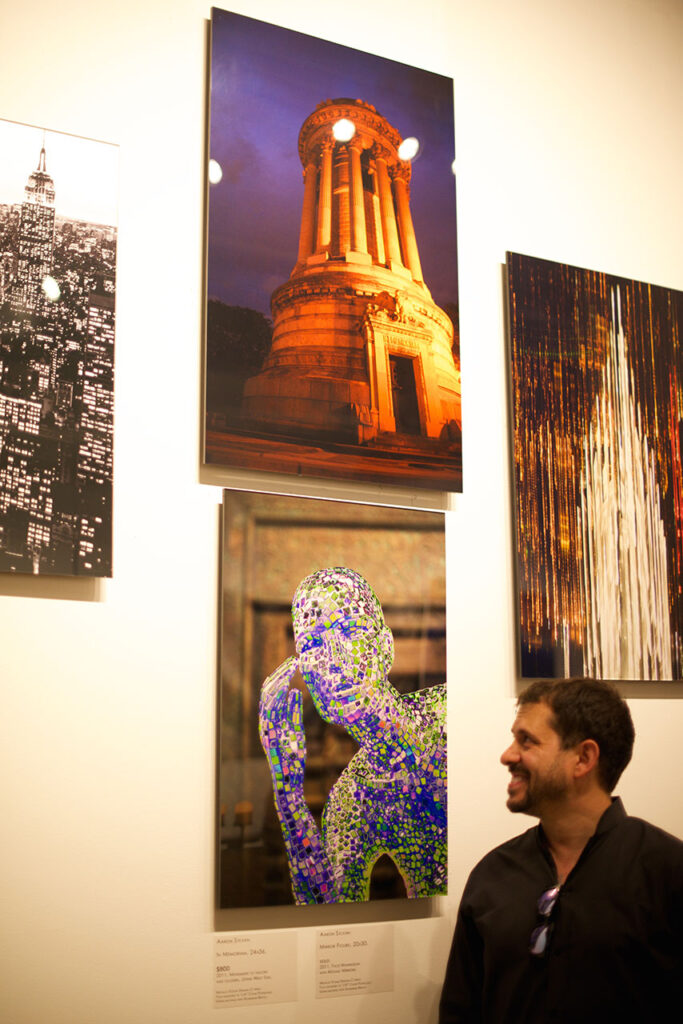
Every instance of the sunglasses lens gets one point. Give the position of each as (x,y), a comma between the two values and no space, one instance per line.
(539,940)
(539,936)
(547,900)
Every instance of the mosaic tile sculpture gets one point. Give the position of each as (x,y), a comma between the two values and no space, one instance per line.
(391,797)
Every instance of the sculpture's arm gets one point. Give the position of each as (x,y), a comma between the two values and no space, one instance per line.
(284,743)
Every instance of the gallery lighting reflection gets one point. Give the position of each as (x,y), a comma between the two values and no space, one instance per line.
(51,288)
(343,130)
(409,148)
(215,172)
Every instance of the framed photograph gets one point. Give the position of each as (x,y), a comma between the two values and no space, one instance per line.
(597,400)
(332,777)
(332,345)
(58,196)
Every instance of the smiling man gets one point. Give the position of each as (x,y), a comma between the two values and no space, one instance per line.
(581,917)
(391,797)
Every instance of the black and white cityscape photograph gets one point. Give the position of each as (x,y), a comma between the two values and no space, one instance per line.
(58,198)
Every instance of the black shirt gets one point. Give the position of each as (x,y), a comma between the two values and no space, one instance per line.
(616,948)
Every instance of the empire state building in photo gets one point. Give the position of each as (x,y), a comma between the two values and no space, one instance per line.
(36,238)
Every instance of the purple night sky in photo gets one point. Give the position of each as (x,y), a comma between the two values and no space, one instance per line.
(265,81)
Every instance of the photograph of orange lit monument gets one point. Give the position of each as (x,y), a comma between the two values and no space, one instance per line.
(332,327)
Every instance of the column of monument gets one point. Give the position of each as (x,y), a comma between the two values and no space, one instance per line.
(387,212)
(377,229)
(325,200)
(341,203)
(359,235)
(405,226)
(307,231)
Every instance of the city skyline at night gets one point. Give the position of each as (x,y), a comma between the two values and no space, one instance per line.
(597,408)
(57,322)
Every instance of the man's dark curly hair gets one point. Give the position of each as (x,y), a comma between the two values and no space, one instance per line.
(588,709)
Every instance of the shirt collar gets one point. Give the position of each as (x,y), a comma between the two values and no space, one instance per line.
(609,819)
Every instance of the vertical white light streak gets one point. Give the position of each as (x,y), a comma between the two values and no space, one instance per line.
(628,633)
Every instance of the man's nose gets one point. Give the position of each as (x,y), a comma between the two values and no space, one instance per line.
(510,755)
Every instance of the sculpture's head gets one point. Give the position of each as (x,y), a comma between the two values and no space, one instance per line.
(345,650)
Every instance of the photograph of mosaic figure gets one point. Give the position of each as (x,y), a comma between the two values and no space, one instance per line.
(391,798)
(332,345)
(597,396)
(332,775)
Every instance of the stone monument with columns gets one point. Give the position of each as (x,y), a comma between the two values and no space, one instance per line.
(360,353)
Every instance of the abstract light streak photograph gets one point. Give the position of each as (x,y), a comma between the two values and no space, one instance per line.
(597,411)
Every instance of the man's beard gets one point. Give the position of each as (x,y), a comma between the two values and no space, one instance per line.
(544,790)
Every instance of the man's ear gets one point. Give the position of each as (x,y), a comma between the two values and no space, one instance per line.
(587,758)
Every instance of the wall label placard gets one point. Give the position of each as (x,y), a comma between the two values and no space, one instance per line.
(254,967)
(354,961)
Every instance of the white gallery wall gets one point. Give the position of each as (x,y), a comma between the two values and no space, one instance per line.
(569,147)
